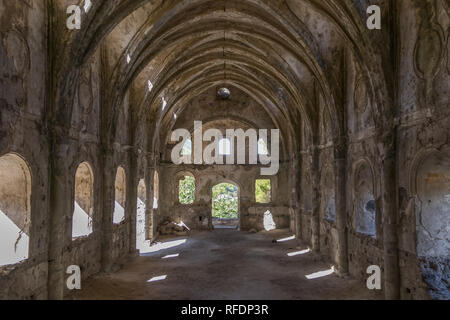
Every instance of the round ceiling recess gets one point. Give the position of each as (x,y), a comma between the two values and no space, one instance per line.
(224,93)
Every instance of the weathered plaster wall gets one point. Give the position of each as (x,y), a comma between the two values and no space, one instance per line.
(23,63)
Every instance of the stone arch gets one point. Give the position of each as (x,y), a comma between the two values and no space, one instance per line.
(120,188)
(82,218)
(15,209)
(364,199)
(432,191)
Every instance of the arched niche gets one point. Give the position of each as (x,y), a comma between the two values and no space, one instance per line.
(15,209)
(432,184)
(364,200)
(82,219)
(120,196)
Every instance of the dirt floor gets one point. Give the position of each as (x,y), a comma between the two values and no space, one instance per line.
(225,265)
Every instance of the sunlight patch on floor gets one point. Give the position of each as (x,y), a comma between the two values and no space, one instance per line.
(320,274)
(298,253)
(161,246)
(286,239)
(159,278)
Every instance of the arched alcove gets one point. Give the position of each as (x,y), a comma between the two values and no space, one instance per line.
(82,219)
(433,223)
(120,196)
(15,209)
(364,200)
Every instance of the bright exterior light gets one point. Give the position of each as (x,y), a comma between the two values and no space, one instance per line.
(269,224)
(224,147)
(87,5)
(171,256)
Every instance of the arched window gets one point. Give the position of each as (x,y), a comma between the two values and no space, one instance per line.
(224,147)
(365,208)
(84,201)
(262,148)
(120,196)
(186,190)
(263,191)
(15,211)
(187,148)
(155,190)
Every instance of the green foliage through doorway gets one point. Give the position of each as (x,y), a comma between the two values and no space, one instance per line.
(225,201)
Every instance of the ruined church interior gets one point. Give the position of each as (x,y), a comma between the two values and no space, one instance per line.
(341,193)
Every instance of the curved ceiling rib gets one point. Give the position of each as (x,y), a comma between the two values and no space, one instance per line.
(260,43)
(248,29)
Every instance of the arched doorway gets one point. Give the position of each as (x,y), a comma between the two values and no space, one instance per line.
(225,205)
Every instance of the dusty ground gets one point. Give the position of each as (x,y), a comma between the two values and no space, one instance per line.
(225,264)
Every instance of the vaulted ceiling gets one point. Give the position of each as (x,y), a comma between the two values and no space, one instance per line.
(289,56)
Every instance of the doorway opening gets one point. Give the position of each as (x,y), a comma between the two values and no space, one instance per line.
(225,206)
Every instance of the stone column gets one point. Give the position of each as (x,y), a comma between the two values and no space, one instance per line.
(389,211)
(340,189)
(315,217)
(60,217)
(296,195)
(149,182)
(132,195)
